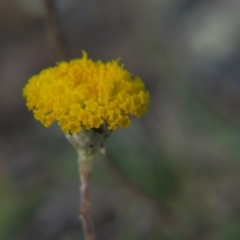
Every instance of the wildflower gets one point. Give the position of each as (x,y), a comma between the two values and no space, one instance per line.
(88,100)
(85,94)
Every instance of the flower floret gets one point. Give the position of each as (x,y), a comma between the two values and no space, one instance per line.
(84,93)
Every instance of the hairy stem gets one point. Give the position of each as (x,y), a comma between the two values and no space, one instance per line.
(87,143)
(85,201)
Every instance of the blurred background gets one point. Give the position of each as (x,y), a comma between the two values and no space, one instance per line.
(173,174)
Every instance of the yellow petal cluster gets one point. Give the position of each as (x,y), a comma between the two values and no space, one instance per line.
(82,92)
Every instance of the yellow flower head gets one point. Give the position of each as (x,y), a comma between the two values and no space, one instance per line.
(85,93)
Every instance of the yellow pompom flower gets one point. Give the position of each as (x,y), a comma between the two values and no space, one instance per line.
(83,93)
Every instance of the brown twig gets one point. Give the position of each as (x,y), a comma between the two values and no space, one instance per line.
(56,36)
(85,204)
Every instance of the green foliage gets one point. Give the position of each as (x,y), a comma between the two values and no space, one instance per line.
(149,168)
(231,231)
